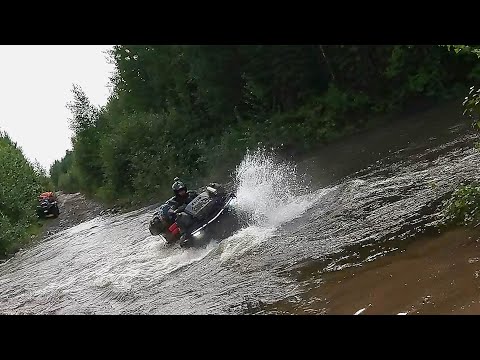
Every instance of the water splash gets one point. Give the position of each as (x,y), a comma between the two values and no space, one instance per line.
(269,190)
(242,241)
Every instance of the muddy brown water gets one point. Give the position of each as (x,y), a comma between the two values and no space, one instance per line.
(431,275)
(308,224)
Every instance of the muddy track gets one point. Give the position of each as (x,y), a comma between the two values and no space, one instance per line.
(74,209)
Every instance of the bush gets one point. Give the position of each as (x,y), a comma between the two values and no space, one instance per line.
(20,185)
(463,207)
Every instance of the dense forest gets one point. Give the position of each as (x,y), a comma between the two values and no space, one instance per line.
(20,184)
(192,111)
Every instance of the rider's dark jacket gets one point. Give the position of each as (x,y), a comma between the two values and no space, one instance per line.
(178,202)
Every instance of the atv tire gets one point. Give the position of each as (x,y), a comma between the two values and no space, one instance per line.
(55,211)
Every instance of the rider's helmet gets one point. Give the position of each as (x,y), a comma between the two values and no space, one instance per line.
(177,186)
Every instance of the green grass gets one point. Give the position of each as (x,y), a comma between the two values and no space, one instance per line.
(32,235)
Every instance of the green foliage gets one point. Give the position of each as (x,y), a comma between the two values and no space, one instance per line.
(69,181)
(192,111)
(20,185)
(44,180)
(87,126)
(464,49)
(60,167)
(463,207)
(472,106)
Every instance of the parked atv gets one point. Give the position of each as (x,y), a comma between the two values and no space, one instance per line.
(47,205)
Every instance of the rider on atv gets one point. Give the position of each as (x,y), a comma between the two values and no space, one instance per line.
(164,218)
(181,197)
(188,212)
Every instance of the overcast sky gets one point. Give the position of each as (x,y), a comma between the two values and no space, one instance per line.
(35,86)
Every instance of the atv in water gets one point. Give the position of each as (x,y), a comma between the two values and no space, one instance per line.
(47,206)
(205,209)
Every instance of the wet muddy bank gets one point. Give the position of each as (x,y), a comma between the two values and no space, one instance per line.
(431,275)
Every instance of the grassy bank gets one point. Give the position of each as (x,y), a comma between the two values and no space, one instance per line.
(27,239)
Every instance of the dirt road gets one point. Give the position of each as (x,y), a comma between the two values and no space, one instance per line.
(74,209)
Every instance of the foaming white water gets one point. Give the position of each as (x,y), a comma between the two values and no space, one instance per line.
(243,240)
(184,258)
(269,191)
(151,260)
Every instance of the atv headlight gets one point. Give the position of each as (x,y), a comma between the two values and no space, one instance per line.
(198,234)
